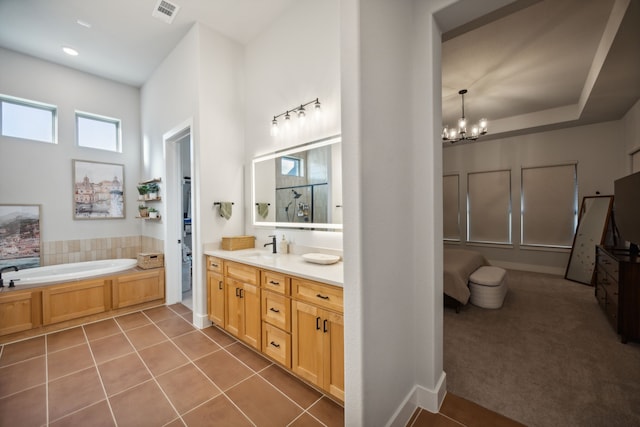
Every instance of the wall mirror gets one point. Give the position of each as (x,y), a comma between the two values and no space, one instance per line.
(593,223)
(300,187)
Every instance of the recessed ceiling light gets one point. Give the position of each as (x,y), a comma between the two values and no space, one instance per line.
(69,51)
(83,23)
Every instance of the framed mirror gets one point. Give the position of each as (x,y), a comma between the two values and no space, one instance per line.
(300,187)
(593,223)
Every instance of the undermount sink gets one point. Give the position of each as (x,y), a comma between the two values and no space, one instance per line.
(258,255)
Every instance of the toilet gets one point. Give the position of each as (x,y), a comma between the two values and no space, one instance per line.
(488,287)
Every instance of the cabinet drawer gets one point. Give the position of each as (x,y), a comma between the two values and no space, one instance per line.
(276,282)
(608,263)
(214,264)
(276,310)
(242,272)
(318,293)
(276,344)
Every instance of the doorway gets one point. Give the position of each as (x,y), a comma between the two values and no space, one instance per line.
(184,151)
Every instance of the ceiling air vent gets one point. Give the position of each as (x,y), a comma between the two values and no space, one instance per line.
(165,11)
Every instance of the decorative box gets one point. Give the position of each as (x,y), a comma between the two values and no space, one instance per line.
(150,260)
(238,242)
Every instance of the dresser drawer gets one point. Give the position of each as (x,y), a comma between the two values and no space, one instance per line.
(276,344)
(276,282)
(214,264)
(608,263)
(242,272)
(276,310)
(322,295)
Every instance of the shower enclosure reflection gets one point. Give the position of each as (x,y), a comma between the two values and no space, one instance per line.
(299,187)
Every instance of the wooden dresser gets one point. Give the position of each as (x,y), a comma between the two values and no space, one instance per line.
(618,290)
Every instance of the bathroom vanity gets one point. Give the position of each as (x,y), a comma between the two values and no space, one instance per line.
(286,308)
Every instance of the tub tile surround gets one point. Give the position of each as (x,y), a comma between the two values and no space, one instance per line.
(80,250)
(151,367)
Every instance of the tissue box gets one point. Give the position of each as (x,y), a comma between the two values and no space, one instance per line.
(150,260)
(238,242)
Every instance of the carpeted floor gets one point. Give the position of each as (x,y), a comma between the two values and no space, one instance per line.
(548,357)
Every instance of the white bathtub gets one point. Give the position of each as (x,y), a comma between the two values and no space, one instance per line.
(67,272)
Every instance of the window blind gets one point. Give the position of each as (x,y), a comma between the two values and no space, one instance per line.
(489,207)
(451,202)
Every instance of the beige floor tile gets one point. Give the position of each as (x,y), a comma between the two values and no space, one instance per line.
(122,373)
(143,405)
(216,412)
(101,329)
(223,369)
(22,350)
(145,336)
(97,415)
(187,387)
(262,403)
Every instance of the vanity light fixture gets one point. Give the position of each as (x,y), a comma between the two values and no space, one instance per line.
(460,133)
(301,112)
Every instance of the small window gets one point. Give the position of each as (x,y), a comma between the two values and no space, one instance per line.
(27,120)
(292,166)
(489,207)
(98,132)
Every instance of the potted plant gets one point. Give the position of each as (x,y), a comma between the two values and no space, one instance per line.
(142,191)
(144,211)
(153,213)
(152,190)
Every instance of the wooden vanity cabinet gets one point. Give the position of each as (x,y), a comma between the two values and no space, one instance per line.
(138,288)
(20,311)
(276,317)
(215,285)
(242,297)
(318,335)
(75,300)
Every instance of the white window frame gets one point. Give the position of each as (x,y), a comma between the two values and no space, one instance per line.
(471,205)
(104,119)
(37,106)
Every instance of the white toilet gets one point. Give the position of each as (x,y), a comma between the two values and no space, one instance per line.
(488,287)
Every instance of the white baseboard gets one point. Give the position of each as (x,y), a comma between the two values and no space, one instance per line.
(558,271)
(201,321)
(419,397)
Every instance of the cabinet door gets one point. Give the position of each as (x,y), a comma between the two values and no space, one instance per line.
(74,300)
(137,288)
(19,311)
(215,301)
(334,354)
(250,323)
(307,338)
(232,315)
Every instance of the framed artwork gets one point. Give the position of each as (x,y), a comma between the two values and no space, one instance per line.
(20,243)
(98,190)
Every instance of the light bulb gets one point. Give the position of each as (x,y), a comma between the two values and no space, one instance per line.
(287,120)
(483,125)
(317,108)
(475,131)
(462,123)
(301,115)
(274,127)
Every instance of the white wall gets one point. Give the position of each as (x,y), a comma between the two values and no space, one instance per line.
(40,173)
(295,61)
(598,149)
(631,135)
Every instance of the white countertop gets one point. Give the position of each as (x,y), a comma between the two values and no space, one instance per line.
(292,264)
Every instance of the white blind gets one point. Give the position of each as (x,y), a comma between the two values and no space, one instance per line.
(549,205)
(451,202)
(489,211)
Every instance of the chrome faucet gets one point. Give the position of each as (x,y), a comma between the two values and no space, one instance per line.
(273,243)
(14,268)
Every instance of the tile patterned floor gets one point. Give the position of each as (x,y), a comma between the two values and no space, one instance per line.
(151,368)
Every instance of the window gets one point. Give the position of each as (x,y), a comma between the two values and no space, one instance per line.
(24,119)
(549,205)
(489,207)
(291,166)
(98,132)
(451,202)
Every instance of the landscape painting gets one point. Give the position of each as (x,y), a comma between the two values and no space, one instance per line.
(20,236)
(98,190)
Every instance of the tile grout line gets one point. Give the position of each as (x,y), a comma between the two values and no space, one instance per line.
(95,366)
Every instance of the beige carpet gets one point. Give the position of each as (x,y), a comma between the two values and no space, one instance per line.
(548,357)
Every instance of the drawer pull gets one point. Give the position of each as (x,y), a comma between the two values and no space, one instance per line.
(220,284)
(241,293)
(322,296)
(275,310)
(214,265)
(317,323)
(273,282)
(274,344)
(237,292)
(324,326)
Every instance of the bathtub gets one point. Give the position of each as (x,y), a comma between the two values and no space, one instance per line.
(67,272)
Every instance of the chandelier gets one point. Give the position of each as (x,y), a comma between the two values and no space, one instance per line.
(460,133)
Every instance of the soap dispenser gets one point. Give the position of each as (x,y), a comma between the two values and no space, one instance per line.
(284,246)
